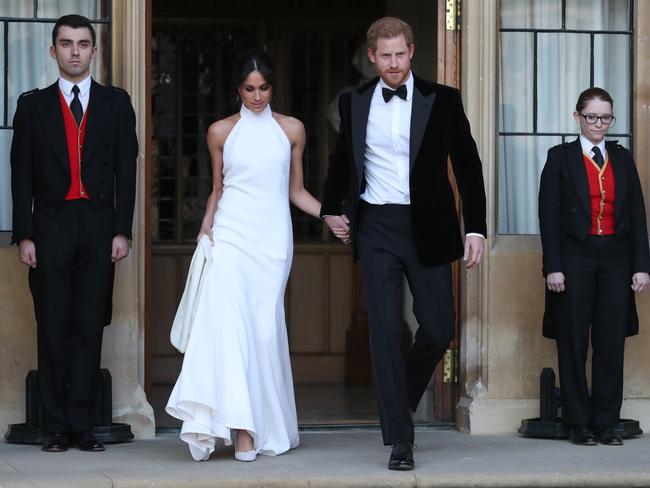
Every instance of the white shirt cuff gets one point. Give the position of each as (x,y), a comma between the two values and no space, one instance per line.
(474,234)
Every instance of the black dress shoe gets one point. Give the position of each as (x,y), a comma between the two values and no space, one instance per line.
(582,435)
(608,437)
(401,457)
(86,441)
(56,442)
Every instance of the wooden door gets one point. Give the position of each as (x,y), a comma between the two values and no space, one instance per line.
(447,391)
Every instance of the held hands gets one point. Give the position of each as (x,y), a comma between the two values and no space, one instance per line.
(473,251)
(120,248)
(640,281)
(555,282)
(340,226)
(27,252)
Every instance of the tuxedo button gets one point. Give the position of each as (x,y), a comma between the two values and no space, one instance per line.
(101,196)
(105,163)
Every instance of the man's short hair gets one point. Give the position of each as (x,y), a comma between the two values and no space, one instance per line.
(76,22)
(387,28)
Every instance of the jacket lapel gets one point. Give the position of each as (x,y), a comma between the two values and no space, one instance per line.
(49,108)
(98,108)
(579,174)
(360,108)
(420,112)
(620,177)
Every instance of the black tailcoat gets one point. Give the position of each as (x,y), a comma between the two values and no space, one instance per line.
(40,168)
(565,210)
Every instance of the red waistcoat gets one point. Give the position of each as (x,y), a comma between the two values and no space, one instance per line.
(75,139)
(601,196)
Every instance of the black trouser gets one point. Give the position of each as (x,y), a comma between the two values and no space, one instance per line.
(597,280)
(387,253)
(70,287)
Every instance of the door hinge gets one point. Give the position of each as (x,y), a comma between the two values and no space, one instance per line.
(452,16)
(450,366)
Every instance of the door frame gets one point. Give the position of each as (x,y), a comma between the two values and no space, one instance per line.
(448,72)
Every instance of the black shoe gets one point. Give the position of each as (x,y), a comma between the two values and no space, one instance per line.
(86,441)
(608,437)
(581,435)
(56,442)
(401,458)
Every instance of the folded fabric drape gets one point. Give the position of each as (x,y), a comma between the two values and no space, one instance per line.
(182,326)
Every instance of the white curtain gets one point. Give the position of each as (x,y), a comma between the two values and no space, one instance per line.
(30,66)
(560,64)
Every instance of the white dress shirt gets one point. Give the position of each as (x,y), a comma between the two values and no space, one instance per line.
(387,154)
(386,158)
(587,147)
(84,91)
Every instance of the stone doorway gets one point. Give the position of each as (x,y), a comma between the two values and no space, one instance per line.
(192,50)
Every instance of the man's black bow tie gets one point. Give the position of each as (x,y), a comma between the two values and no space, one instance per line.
(387,93)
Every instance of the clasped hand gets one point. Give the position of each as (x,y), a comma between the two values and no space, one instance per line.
(340,226)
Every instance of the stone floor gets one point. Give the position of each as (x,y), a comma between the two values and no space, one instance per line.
(316,405)
(337,458)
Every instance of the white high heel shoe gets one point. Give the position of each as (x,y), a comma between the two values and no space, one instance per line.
(246,456)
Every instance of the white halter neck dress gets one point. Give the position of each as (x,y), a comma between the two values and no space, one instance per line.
(236,372)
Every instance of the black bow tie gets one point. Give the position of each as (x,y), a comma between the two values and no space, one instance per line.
(387,93)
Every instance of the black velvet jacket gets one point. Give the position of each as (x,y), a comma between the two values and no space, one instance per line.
(439,129)
(565,210)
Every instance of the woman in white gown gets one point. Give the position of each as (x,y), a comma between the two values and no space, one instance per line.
(236,383)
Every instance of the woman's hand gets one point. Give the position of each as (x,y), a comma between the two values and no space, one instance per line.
(205,231)
(340,226)
(640,281)
(555,282)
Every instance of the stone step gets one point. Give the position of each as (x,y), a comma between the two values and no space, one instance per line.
(339,458)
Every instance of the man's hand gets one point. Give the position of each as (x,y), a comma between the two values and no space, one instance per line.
(340,226)
(640,281)
(473,250)
(120,248)
(27,252)
(555,282)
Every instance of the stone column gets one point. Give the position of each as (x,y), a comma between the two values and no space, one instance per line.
(479,89)
(123,351)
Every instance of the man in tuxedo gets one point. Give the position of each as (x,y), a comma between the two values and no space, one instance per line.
(73,167)
(388,173)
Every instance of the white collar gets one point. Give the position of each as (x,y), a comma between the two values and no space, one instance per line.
(66,86)
(408,83)
(587,145)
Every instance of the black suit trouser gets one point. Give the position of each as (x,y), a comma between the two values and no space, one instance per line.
(597,297)
(387,252)
(70,286)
